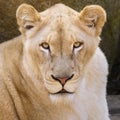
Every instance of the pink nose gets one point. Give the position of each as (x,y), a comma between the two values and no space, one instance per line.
(62,80)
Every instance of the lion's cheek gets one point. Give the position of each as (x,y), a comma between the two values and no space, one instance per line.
(53,87)
(71,86)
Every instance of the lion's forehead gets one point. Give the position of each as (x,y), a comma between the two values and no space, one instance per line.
(59,10)
(59,21)
(60,17)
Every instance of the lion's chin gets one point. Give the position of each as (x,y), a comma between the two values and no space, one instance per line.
(62,96)
(63,92)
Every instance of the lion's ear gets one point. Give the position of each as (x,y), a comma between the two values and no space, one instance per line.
(27,16)
(93,18)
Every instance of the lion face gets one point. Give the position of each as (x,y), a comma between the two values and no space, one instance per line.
(59,43)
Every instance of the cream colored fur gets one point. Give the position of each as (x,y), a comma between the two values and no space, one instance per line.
(27,89)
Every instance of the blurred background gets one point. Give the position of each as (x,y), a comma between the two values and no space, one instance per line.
(110,43)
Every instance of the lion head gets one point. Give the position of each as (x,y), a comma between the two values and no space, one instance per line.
(59,43)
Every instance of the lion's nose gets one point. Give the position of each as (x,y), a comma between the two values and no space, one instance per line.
(62,80)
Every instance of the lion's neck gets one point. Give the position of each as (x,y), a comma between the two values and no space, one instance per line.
(44,107)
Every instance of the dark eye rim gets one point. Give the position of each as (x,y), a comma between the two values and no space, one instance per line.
(42,45)
(28,27)
(79,44)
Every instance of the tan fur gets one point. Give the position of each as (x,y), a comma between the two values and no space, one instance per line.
(27,89)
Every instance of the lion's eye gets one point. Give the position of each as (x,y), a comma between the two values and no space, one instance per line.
(28,27)
(45,45)
(78,45)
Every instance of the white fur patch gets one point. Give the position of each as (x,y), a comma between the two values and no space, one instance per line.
(64,98)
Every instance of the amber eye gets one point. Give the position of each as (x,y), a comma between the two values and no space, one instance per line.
(45,45)
(77,44)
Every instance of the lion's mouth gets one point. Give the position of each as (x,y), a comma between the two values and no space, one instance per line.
(63,91)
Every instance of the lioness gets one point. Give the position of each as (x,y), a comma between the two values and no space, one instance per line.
(55,69)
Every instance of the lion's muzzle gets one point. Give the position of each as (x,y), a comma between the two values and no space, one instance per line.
(62,80)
